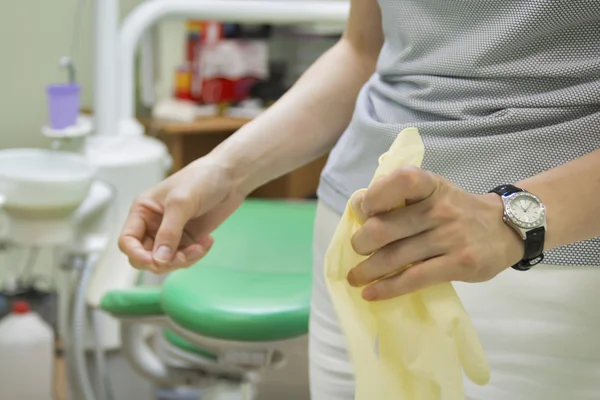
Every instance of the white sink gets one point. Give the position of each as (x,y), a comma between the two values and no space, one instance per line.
(43,181)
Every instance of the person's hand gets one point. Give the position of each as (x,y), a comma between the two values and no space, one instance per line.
(169,226)
(443,234)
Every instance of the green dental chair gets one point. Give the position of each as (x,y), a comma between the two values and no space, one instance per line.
(236,317)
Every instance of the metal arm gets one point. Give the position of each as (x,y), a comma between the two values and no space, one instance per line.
(142,358)
(106,80)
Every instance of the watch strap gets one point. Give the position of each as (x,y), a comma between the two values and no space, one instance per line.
(534,249)
(504,190)
(534,241)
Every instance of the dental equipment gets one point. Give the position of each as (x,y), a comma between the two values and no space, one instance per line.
(127,158)
(128,163)
(67,63)
(240,312)
(52,200)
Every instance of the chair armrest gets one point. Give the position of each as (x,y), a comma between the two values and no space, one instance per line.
(142,301)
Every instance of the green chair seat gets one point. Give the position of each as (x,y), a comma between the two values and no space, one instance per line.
(255,283)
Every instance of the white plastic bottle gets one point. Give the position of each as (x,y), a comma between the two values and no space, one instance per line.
(26,355)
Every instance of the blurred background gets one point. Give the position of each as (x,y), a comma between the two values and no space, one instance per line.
(244,69)
(36,33)
(66,185)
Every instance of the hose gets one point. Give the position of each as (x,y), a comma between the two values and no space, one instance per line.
(100,356)
(68,62)
(79,324)
(95,245)
(32,257)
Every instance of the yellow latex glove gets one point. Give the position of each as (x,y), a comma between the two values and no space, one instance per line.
(410,347)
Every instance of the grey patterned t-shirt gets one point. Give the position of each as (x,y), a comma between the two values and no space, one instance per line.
(499,89)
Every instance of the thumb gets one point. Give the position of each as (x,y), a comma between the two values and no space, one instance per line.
(168,237)
(356,205)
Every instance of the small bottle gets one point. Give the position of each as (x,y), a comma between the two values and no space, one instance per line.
(26,355)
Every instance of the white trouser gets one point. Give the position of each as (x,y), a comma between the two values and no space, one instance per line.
(540,330)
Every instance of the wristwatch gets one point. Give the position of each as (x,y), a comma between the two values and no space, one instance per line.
(526,214)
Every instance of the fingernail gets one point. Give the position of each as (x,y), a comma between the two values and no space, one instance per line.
(366,210)
(362,206)
(369,293)
(206,241)
(357,203)
(163,254)
(198,252)
(351,279)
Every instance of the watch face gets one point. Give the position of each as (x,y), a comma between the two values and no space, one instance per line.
(526,210)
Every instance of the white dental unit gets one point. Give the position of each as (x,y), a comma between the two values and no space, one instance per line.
(76,197)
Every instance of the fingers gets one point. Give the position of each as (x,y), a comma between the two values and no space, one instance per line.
(155,236)
(183,258)
(187,257)
(206,242)
(131,241)
(134,228)
(191,254)
(356,205)
(140,252)
(139,257)
(428,273)
(405,185)
(383,229)
(176,215)
(394,257)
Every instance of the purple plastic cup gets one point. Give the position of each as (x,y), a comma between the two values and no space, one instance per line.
(63,105)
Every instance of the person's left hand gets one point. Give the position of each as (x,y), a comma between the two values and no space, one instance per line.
(444,232)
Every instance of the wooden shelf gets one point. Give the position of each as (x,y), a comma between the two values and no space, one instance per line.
(201,126)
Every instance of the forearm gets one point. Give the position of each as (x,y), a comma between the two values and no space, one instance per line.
(303,125)
(571,193)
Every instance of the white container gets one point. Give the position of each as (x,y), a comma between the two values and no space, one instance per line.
(26,356)
(44,181)
(39,191)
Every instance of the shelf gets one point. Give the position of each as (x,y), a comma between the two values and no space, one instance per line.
(204,125)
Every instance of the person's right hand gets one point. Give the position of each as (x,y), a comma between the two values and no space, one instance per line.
(169,226)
